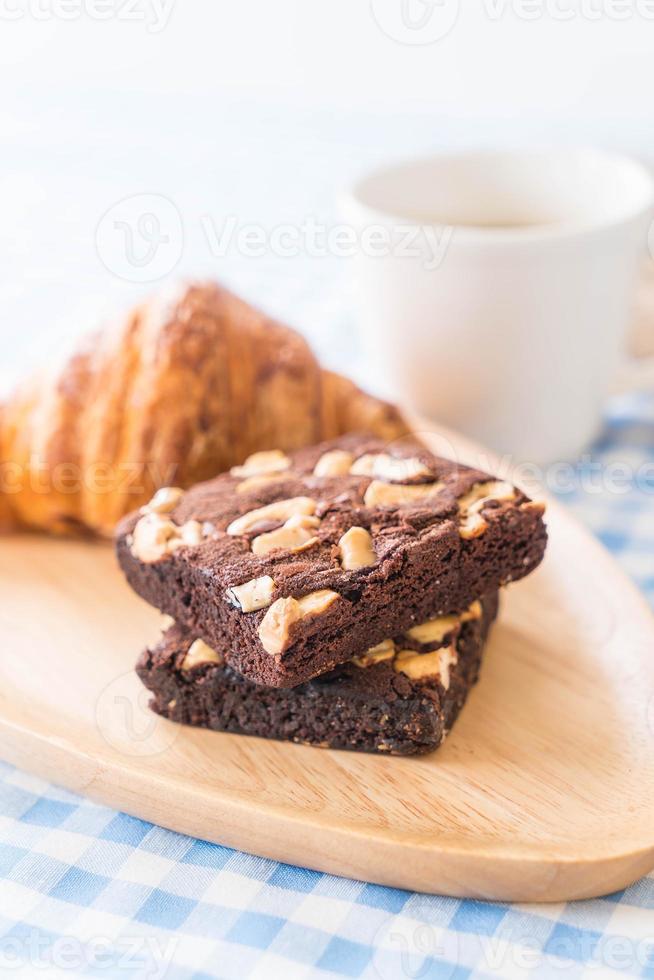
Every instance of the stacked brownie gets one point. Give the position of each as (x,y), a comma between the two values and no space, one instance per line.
(340,596)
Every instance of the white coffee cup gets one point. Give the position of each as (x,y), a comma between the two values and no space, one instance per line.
(495,288)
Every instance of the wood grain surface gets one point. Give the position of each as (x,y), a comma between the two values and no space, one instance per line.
(543,791)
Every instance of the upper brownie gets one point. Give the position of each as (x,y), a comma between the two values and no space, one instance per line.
(291,565)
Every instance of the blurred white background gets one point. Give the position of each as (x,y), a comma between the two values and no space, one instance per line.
(257,112)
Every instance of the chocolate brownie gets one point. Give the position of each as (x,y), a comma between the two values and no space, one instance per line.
(400,697)
(290,565)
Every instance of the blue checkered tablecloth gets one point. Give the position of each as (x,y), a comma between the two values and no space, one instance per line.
(88,891)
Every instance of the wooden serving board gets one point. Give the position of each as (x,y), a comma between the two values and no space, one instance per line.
(543,791)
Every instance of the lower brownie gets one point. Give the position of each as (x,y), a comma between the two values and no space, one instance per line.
(400,697)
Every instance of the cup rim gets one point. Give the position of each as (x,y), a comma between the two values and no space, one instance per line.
(352,196)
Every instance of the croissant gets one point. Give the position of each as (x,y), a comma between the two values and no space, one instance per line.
(187,386)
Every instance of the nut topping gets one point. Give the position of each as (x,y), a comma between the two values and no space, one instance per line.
(375,655)
(363,466)
(472,524)
(155,536)
(303,520)
(254,482)
(200,653)
(435,630)
(391,469)
(252,595)
(272,461)
(164,501)
(150,537)
(473,611)
(337,462)
(277,512)
(191,532)
(534,506)
(420,665)
(381,494)
(318,602)
(289,537)
(482,493)
(356,550)
(275,626)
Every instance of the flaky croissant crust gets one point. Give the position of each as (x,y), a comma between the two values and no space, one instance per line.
(183,389)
